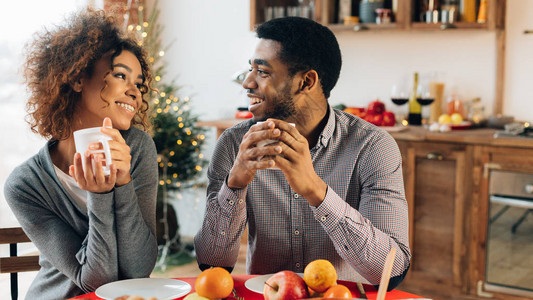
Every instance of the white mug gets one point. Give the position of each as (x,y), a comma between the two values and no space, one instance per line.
(84,137)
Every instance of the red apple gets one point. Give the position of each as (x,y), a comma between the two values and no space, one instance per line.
(389,119)
(374,119)
(375,107)
(285,285)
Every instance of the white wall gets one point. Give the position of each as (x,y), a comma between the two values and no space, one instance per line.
(213,41)
(518,91)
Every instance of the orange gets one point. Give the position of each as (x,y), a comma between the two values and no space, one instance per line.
(338,291)
(214,283)
(319,275)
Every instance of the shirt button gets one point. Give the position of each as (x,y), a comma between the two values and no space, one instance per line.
(297,265)
(296,196)
(296,232)
(231,202)
(223,233)
(241,201)
(323,218)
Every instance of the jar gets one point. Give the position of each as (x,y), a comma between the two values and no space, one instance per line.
(455,105)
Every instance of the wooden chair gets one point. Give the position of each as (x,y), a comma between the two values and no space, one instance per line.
(14,264)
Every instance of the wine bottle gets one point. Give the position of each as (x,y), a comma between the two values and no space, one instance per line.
(415,110)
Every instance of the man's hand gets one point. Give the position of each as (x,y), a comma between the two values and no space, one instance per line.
(296,163)
(252,158)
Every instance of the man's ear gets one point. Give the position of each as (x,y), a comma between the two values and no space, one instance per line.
(78,85)
(309,81)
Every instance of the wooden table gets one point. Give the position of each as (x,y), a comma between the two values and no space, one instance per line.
(242,291)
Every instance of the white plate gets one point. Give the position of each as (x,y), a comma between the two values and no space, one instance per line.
(160,288)
(256,284)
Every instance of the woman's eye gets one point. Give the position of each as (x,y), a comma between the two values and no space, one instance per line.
(141,87)
(120,75)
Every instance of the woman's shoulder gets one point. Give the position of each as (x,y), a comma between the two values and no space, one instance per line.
(137,137)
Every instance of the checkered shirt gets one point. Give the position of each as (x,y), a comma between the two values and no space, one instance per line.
(363,215)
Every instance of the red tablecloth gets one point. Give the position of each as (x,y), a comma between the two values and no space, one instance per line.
(242,291)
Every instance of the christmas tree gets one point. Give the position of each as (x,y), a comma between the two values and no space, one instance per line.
(177,138)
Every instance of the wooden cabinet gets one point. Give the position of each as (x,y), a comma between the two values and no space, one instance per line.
(403,15)
(446,180)
(509,159)
(437,179)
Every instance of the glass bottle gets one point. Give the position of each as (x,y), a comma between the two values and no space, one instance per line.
(415,109)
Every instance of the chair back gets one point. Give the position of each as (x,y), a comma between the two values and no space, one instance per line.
(14,264)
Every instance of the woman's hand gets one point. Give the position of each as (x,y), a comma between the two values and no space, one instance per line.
(95,181)
(120,153)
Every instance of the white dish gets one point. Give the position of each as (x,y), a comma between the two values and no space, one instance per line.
(160,288)
(256,284)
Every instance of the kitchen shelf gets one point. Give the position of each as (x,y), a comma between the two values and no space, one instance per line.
(325,11)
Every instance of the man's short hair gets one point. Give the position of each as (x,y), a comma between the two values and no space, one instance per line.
(306,45)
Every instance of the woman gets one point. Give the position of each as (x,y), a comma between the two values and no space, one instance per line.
(90,229)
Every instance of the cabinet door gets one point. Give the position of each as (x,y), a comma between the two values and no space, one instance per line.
(435,177)
(519,160)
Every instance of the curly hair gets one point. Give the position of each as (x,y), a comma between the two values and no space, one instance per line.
(57,59)
(306,45)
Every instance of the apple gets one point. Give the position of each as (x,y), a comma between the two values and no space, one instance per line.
(285,285)
(374,119)
(375,107)
(389,119)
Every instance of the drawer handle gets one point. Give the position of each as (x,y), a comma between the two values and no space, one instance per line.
(435,156)
(529,188)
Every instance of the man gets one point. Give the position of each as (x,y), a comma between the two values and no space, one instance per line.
(330,188)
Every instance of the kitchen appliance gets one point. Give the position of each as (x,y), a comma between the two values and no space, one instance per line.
(510,234)
(515,130)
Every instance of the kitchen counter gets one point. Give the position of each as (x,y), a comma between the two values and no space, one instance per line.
(480,136)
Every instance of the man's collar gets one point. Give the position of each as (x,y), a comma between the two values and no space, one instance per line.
(328,130)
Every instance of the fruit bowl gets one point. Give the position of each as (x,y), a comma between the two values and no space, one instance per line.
(461,126)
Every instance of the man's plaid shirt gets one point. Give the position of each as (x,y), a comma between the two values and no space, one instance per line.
(363,215)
